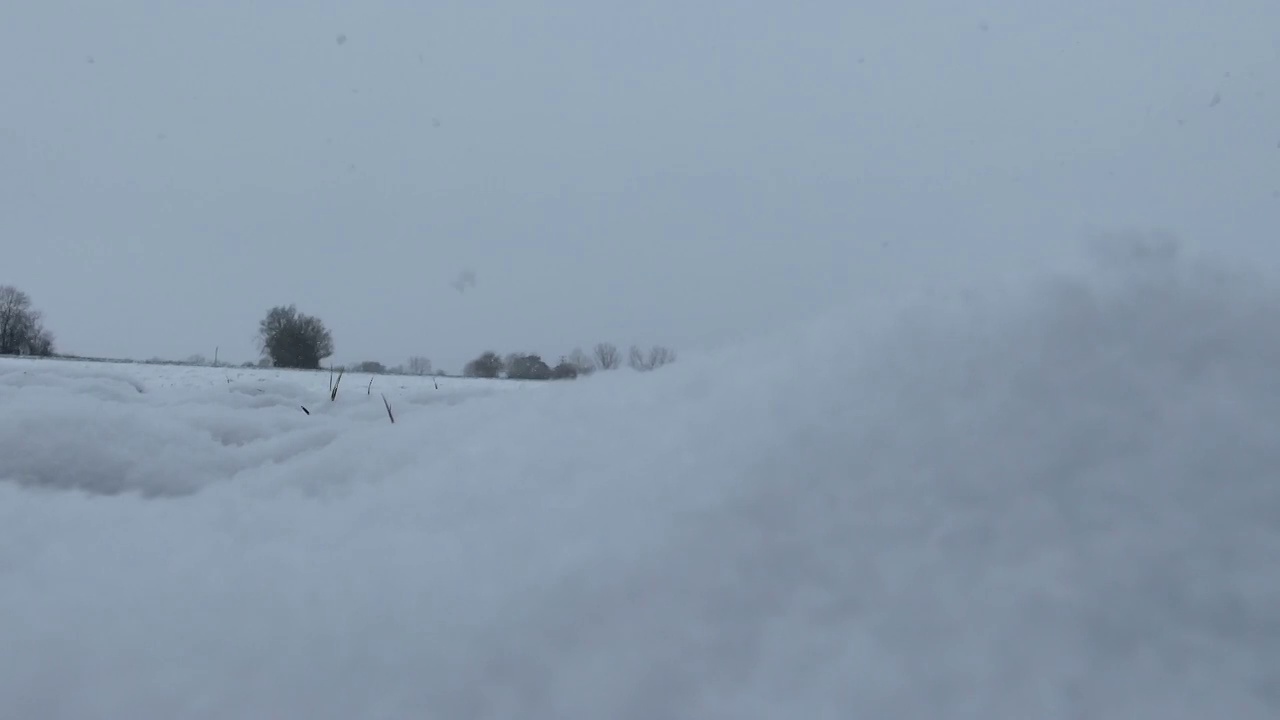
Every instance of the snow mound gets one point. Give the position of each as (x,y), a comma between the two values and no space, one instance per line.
(104,384)
(73,432)
(1056,503)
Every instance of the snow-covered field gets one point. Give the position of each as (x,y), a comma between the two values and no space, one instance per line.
(1061,503)
(172,429)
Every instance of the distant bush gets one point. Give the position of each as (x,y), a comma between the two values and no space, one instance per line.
(488,365)
(564,370)
(370,366)
(528,367)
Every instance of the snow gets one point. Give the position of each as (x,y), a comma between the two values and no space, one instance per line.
(1054,501)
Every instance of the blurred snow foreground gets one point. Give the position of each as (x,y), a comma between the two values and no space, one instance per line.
(1062,504)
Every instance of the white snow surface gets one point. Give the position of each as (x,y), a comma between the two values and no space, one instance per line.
(1060,501)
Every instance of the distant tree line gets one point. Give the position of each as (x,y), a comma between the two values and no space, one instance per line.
(291,339)
(531,366)
(22,330)
(288,338)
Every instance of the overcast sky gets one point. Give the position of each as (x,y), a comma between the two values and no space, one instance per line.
(677,172)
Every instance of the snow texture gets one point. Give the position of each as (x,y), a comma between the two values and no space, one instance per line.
(1056,502)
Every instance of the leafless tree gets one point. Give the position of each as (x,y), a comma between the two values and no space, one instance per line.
(15,318)
(41,341)
(607,356)
(660,355)
(419,365)
(581,362)
(22,330)
(657,356)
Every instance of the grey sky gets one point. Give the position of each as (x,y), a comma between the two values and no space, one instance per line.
(677,172)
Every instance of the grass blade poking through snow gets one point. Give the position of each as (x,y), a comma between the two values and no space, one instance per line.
(369,390)
(388,406)
(333,393)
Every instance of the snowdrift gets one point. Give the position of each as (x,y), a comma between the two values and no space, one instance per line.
(1060,502)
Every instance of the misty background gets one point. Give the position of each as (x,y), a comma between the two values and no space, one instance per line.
(683,173)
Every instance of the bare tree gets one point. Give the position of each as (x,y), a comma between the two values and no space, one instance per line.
(607,356)
(15,316)
(656,358)
(22,330)
(419,365)
(660,355)
(581,362)
(41,341)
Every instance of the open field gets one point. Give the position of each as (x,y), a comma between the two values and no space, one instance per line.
(245,411)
